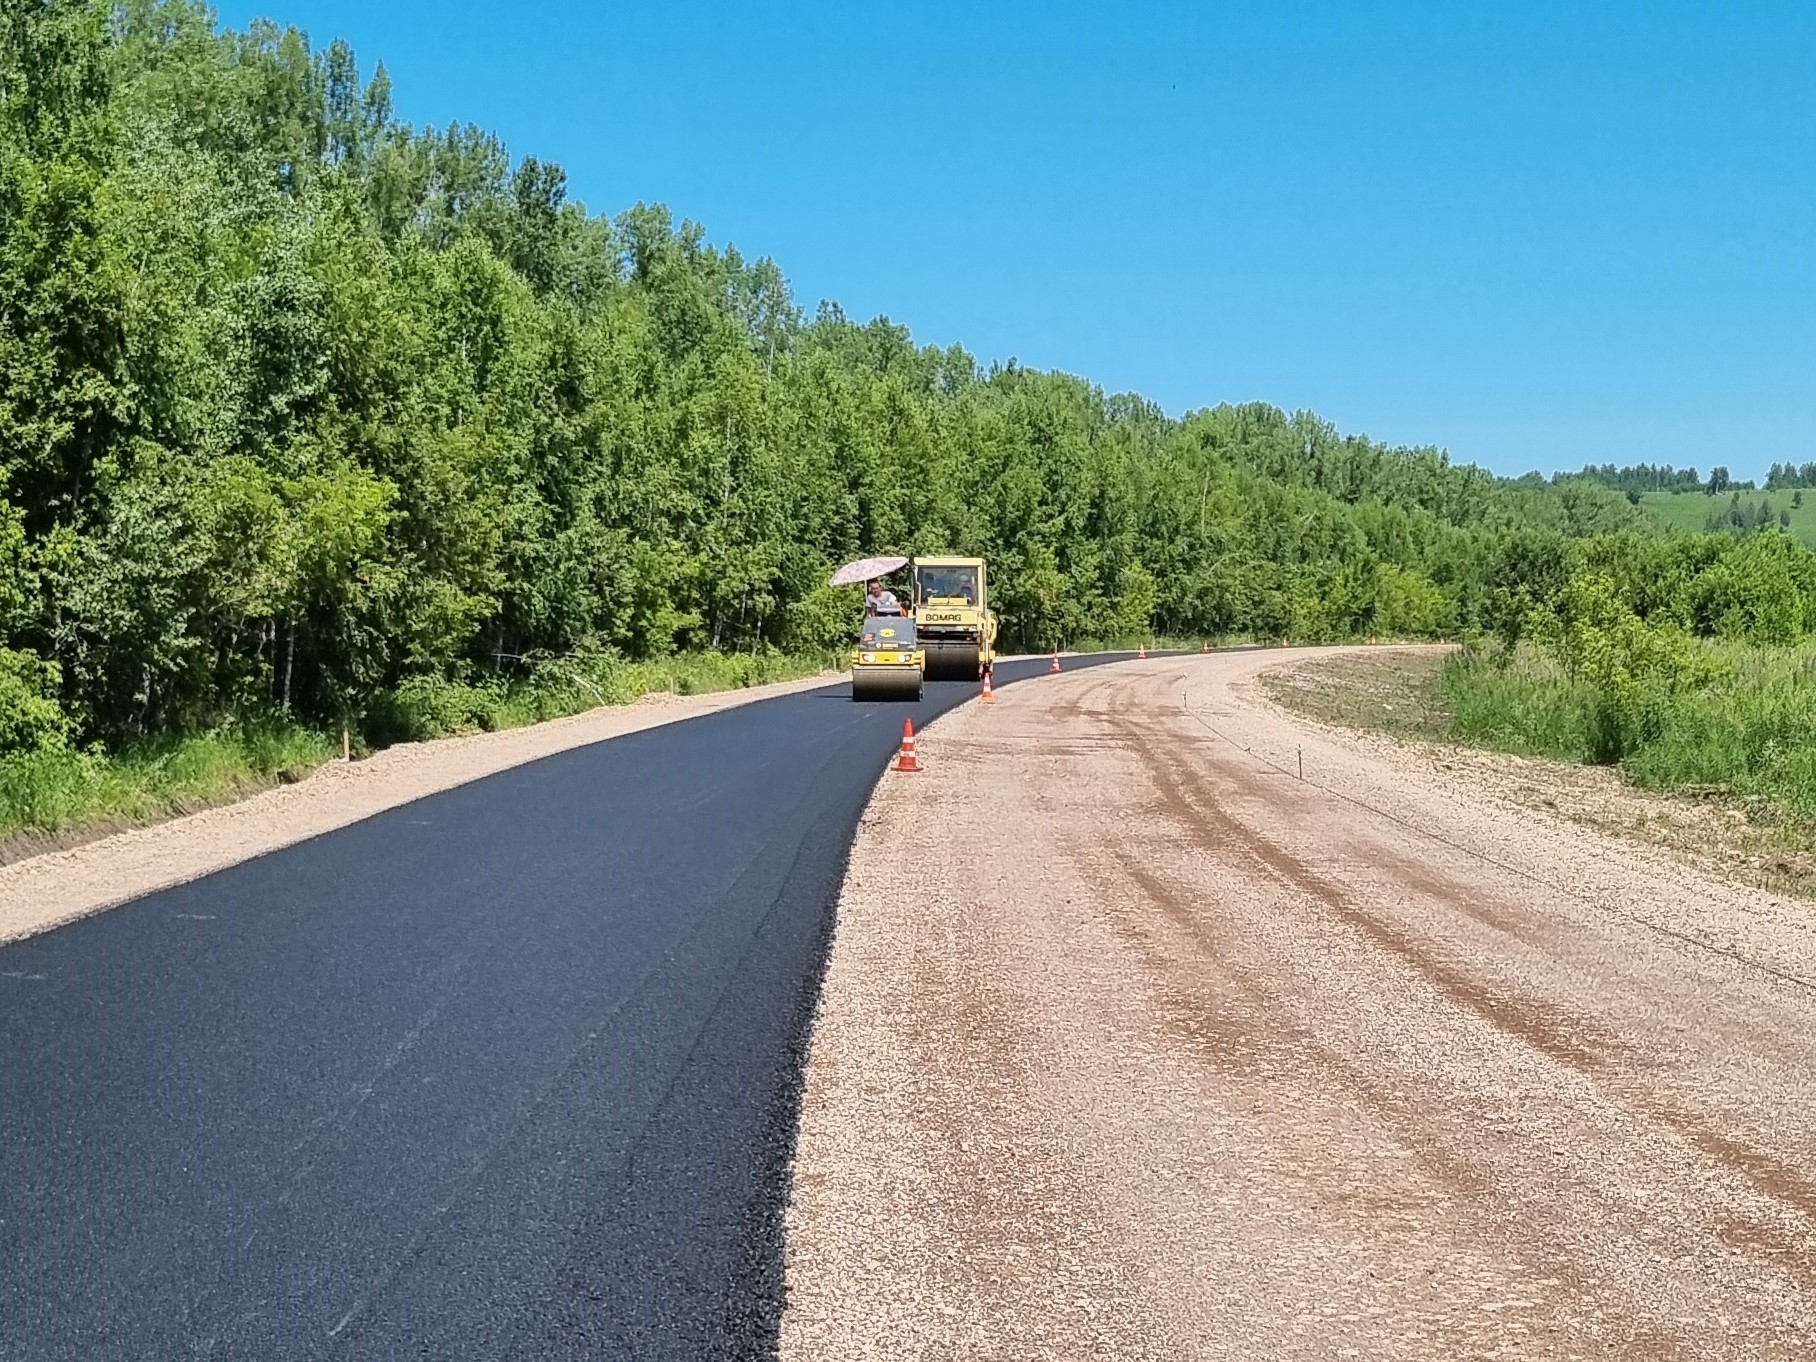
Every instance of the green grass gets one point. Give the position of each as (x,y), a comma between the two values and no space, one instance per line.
(1749,734)
(51,790)
(1691,510)
(1746,734)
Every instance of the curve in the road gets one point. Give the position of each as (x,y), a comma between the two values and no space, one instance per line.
(509,1072)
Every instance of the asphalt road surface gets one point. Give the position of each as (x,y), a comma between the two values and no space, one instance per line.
(510,1072)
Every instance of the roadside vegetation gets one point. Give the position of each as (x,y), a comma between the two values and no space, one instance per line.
(1687,662)
(1737,721)
(1687,665)
(1743,730)
(51,788)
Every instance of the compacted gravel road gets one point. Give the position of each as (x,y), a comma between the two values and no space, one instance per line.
(1136,1044)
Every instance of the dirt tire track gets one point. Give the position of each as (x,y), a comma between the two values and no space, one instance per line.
(1250,1071)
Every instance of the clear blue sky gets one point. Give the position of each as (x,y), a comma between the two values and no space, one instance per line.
(1534,233)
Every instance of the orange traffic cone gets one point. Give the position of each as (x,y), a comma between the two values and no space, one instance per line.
(1283,643)
(1141,652)
(1055,666)
(905,759)
(1207,646)
(987,697)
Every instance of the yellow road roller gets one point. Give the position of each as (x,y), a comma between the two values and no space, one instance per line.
(952,612)
(889,663)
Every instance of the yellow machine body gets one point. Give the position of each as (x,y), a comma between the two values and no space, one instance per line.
(953,616)
(888,663)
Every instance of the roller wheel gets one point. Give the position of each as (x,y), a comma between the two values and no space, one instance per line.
(886,686)
(954,661)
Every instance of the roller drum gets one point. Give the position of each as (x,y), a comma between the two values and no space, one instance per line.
(876,683)
(956,660)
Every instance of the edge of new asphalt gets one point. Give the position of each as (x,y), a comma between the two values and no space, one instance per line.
(510,1071)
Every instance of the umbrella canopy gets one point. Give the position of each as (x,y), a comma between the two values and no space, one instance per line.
(865,569)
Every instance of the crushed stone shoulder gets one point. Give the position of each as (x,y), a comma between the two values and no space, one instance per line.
(1135,1044)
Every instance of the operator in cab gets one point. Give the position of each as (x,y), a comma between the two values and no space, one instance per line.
(881,601)
(949,584)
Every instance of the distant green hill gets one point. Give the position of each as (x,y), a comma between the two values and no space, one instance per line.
(1692,510)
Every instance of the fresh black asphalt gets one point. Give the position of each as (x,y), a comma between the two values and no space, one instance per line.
(509,1072)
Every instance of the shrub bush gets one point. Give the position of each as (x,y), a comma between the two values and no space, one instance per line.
(424,707)
(1728,718)
(30,719)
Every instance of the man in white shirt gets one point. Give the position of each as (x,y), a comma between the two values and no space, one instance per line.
(881,601)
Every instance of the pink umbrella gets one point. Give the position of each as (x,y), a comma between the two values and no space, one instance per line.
(865,569)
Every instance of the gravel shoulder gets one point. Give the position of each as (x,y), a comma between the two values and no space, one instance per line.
(46,891)
(1135,1044)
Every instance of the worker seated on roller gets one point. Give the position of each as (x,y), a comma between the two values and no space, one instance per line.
(881,601)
